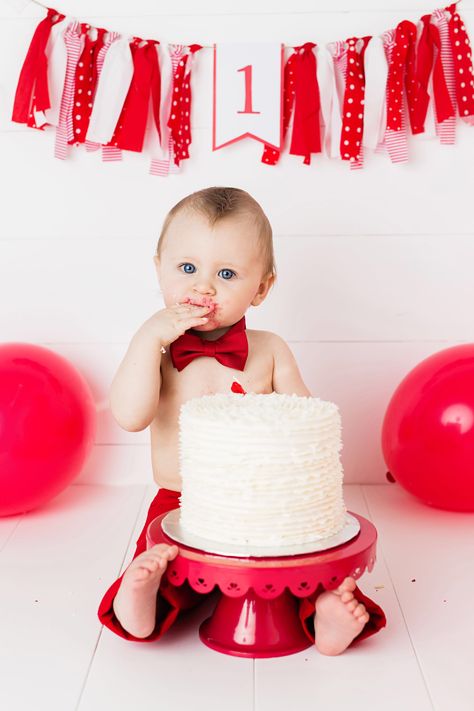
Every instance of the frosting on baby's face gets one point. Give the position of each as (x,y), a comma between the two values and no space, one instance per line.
(203,301)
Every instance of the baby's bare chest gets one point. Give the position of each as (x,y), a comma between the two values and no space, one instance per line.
(203,376)
(206,376)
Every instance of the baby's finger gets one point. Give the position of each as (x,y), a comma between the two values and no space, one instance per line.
(141,574)
(172,552)
(151,564)
(159,548)
(159,560)
(193,321)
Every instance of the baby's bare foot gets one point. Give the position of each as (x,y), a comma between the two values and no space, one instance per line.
(338,619)
(135,602)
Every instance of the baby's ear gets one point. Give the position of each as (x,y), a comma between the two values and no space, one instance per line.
(263,289)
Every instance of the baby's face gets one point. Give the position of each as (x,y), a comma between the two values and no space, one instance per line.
(219,266)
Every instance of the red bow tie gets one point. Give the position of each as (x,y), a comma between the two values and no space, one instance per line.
(231,349)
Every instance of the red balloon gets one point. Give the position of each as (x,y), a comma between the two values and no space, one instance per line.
(428,430)
(47,425)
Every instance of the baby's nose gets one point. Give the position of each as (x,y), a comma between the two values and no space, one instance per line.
(204,287)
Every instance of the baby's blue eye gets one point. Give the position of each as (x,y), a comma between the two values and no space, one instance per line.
(227,273)
(186,269)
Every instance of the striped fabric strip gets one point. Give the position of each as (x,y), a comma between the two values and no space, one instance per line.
(446,130)
(159,166)
(111,154)
(338,52)
(73,39)
(395,142)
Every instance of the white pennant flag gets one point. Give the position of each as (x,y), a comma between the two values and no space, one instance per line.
(248,93)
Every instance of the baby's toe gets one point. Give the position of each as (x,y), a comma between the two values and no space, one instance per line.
(347,585)
(359,610)
(347,596)
(352,605)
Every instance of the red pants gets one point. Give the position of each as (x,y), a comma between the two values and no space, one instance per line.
(172,599)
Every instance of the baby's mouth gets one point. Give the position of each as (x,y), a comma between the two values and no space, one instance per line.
(206,301)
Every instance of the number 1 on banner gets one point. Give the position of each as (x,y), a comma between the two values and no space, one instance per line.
(248,90)
(247,93)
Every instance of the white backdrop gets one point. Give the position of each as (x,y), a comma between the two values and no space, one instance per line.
(375,267)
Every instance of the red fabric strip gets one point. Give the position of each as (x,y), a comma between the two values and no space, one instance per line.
(301,91)
(129,133)
(306,136)
(32,88)
(429,46)
(401,72)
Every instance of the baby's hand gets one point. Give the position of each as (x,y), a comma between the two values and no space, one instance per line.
(169,324)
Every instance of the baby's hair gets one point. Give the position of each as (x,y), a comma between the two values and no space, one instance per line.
(217,203)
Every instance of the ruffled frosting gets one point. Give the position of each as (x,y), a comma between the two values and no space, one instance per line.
(261,469)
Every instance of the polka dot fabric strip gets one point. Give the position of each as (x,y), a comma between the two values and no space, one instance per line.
(179,120)
(85,84)
(353,105)
(462,57)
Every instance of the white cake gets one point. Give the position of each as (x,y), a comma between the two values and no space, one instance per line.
(261,469)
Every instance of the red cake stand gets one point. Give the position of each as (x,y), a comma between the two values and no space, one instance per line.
(257,613)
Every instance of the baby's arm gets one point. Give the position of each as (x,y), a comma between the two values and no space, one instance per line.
(286,375)
(135,389)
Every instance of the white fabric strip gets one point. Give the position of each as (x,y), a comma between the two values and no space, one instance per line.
(56,54)
(376,73)
(109,39)
(112,89)
(446,130)
(326,83)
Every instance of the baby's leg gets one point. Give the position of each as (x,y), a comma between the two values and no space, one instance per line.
(135,602)
(338,619)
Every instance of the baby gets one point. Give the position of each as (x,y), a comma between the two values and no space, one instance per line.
(214,260)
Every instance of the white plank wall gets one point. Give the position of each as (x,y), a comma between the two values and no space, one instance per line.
(374,274)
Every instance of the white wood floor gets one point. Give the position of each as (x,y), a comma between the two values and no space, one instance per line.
(56,563)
